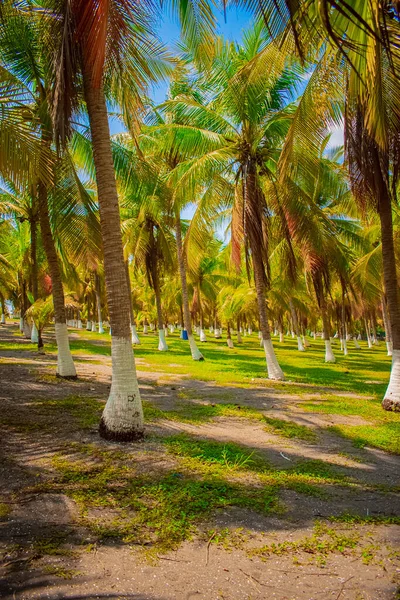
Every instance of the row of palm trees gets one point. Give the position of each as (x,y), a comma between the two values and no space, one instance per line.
(232,139)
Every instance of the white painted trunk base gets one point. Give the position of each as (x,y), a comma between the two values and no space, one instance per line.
(369,341)
(356,344)
(79,324)
(134,336)
(101,328)
(65,364)
(162,344)
(229,343)
(203,337)
(196,354)
(145,329)
(239,337)
(274,370)
(389,346)
(217,334)
(329,356)
(94,326)
(3,319)
(259,335)
(123,412)
(261,342)
(345,349)
(89,326)
(306,343)
(314,335)
(34,334)
(21,325)
(392,395)
(27,330)
(300,346)
(281,337)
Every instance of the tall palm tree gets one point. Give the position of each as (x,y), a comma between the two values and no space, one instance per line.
(240,130)
(360,39)
(25,59)
(115,48)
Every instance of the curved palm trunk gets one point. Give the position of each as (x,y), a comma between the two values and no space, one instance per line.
(187,322)
(391,400)
(65,364)
(326,327)
(296,328)
(122,417)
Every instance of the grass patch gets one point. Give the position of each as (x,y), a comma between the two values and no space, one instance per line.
(157,512)
(290,429)
(196,412)
(4,510)
(365,520)
(323,542)
(85,410)
(215,456)
(62,572)
(385,436)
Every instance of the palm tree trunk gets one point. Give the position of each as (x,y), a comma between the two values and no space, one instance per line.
(3,310)
(134,336)
(391,400)
(98,301)
(388,332)
(296,329)
(33,251)
(162,344)
(239,335)
(65,363)
(274,370)
(187,322)
(122,417)
(203,337)
(228,336)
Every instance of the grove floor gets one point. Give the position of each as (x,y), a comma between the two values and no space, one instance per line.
(243,488)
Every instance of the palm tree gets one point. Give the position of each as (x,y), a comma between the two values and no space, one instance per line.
(239,131)
(114,38)
(360,39)
(21,44)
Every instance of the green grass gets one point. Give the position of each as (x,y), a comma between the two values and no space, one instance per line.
(245,364)
(385,436)
(323,542)
(289,429)
(196,412)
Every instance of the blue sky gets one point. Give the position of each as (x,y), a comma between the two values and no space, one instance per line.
(237,19)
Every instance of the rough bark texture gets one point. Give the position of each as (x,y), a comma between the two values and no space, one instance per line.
(392,397)
(34,271)
(56,282)
(118,294)
(187,321)
(254,212)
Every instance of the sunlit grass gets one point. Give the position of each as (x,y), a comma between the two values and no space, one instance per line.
(363,372)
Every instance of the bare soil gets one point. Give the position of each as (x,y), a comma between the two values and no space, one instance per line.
(199,569)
